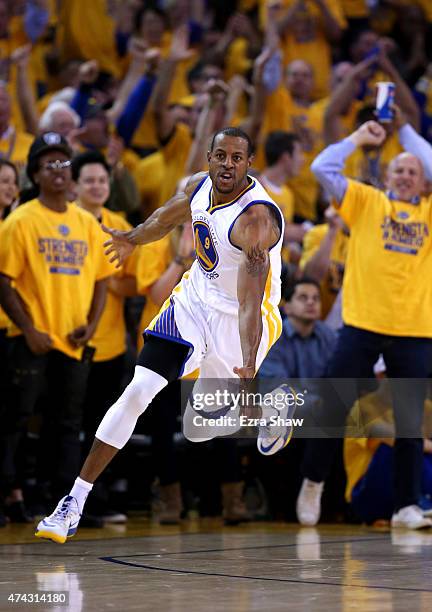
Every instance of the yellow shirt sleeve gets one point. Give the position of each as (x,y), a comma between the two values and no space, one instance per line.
(12,251)
(358,199)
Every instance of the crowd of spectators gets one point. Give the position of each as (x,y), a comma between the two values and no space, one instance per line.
(110,105)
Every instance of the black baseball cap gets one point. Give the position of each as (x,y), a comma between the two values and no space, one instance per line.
(51,141)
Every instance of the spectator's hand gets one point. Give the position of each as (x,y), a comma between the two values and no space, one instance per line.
(119,246)
(384,61)
(152,59)
(370,133)
(259,65)
(81,335)
(38,342)
(180,51)
(333,219)
(362,70)
(137,48)
(21,56)
(88,72)
(217,90)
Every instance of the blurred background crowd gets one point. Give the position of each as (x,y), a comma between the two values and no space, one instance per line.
(136,88)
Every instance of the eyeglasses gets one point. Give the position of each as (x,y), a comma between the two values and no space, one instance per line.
(57,165)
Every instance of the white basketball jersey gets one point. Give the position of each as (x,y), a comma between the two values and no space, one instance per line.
(214,273)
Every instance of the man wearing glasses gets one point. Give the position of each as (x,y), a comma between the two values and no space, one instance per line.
(52,286)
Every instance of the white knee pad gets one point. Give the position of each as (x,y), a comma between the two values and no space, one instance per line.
(119,422)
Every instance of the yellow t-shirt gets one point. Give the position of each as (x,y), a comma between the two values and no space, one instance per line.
(110,335)
(153,259)
(15,146)
(149,175)
(306,40)
(54,259)
(86,30)
(282,113)
(387,285)
(331,285)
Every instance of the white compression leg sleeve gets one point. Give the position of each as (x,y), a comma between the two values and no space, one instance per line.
(119,422)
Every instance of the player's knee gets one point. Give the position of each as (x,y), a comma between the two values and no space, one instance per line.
(140,391)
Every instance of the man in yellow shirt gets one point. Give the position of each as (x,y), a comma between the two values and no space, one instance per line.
(284,157)
(53,288)
(386,310)
(308,29)
(291,108)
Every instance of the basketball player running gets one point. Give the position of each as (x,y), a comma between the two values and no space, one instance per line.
(222,317)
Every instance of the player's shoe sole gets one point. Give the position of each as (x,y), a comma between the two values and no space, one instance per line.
(277,445)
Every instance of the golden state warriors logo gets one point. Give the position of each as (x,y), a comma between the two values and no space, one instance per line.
(204,247)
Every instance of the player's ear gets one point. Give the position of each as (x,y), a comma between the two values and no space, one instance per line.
(251,160)
(209,156)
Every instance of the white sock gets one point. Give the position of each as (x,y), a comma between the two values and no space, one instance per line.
(80,491)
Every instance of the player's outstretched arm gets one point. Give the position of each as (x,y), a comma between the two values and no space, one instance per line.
(175,212)
(255,231)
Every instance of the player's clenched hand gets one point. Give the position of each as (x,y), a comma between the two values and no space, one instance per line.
(38,342)
(247,372)
(119,246)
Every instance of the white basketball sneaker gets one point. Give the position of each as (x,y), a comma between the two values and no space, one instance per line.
(308,506)
(275,435)
(62,523)
(410,517)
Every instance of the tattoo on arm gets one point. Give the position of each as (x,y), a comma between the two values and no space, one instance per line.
(256,261)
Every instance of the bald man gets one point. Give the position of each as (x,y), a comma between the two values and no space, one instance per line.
(387,306)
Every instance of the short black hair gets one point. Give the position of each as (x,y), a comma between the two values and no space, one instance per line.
(290,288)
(277,143)
(88,157)
(234,133)
(365,113)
